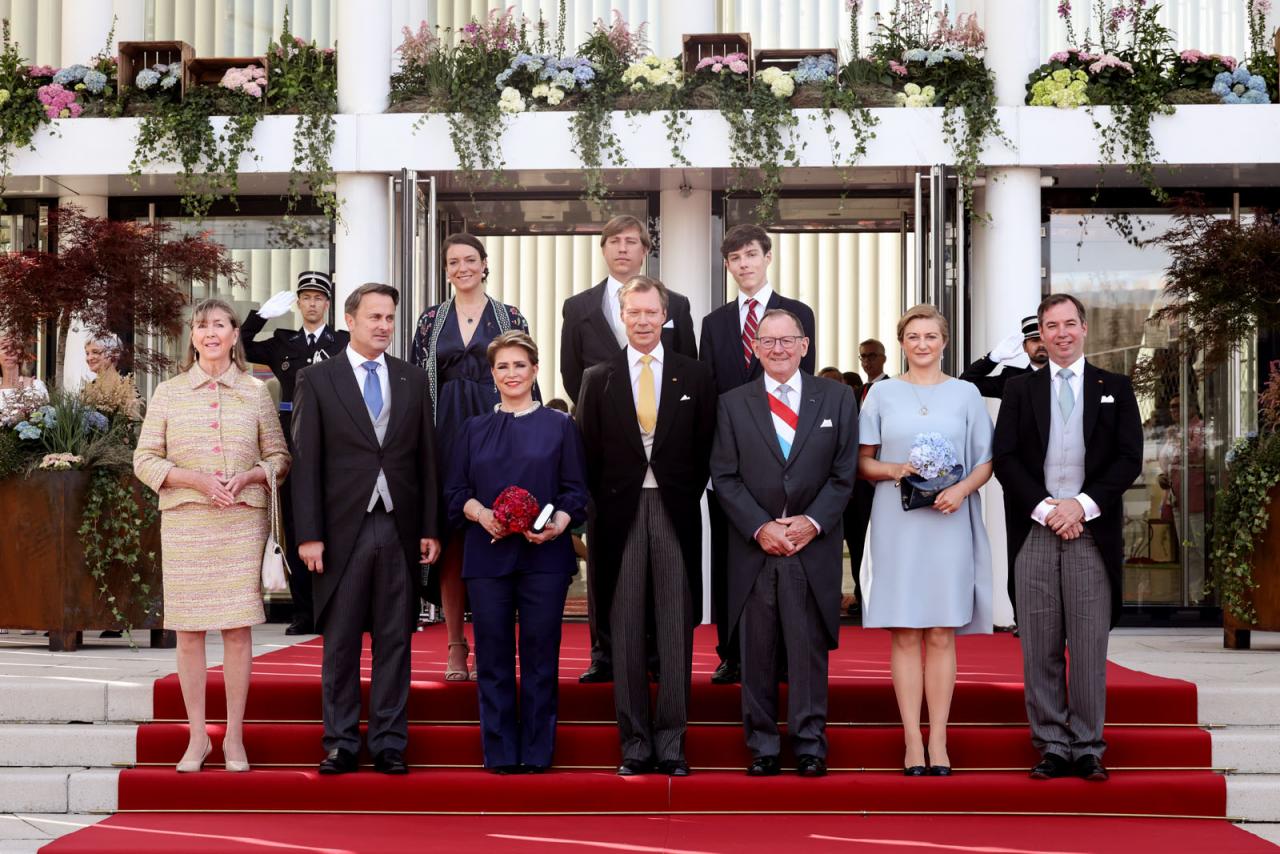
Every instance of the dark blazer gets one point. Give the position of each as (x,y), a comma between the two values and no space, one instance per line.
(1113,458)
(337,461)
(616,463)
(989,385)
(720,347)
(286,351)
(755,485)
(587,339)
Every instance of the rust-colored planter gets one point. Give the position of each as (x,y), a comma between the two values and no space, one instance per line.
(44,584)
(1266,574)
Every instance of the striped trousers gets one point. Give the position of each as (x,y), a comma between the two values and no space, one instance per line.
(1064,605)
(652,575)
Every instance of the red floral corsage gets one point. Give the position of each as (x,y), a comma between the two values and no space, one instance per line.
(515,510)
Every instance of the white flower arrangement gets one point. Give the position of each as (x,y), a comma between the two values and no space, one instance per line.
(511,101)
(913,95)
(780,82)
(652,72)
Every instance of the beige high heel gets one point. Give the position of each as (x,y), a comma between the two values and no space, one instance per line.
(190,766)
(235,765)
(451,675)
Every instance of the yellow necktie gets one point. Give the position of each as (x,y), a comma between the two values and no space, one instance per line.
(647,404)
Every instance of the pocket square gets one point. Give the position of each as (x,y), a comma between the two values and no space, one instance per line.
(670,324)
(684,398)
(826,422)
(1106,398)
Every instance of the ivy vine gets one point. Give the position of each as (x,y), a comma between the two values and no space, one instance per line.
(21,113)
(761,137)
(1241,513)
(116,515)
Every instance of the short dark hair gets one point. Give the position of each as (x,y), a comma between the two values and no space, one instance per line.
(461,238)
(1058,299)
(740,236)
(512,338)
(782,312)
(352,305)
(626,222)
(642,284)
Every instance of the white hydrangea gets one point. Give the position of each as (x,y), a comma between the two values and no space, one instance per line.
(651,72)
(780,82)
(555,95)
(912,95)
(511,101)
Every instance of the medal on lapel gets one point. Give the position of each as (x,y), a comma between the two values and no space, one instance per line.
(284,366)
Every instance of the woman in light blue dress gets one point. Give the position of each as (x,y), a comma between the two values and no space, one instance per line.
(930,567)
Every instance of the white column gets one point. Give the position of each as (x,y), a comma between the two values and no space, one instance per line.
(1013,46)
(85,25)
(75,372)
(362,241)
(678,17)
(131,20)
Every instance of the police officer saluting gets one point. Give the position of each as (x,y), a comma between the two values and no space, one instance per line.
(286,352)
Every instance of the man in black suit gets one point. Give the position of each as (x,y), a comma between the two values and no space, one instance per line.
(1068,444)
(727,348)
(366,511)
(992,385)
(286,353)
(783,466)
(592,333)
(1027,341)
(648,418)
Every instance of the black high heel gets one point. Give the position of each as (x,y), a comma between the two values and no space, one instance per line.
(937,770)
(917,770)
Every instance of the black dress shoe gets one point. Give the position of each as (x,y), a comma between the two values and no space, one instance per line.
(390,761)
(1051,767)
(728,673)
(808,765)
(300,627)
(1090,767)
(764,766)
(508,769)
(338,761)
(597,673)
(674,768)
(634,767)
(531,769)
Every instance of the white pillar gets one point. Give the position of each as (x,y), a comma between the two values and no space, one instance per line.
(1013,46)
(364,72)
(75,372)
(679,17)
(131,21)
(85,25)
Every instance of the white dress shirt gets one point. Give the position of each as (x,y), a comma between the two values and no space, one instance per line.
(1044,508)
(612,309)
(762,301)
(793,400)
(635,365)
(317,332)
(380,489)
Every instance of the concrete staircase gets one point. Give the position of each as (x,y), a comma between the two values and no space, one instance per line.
(1245,727)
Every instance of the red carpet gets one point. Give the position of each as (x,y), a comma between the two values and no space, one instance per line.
(1161,761)
(397,834)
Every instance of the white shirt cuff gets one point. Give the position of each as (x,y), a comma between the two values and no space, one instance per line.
(1042,511)
(814,522)
(1091,509)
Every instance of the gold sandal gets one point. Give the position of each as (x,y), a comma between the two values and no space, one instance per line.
(463,675)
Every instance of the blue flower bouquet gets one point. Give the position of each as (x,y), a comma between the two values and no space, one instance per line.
(934,457)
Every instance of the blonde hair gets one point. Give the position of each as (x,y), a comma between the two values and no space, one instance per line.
(202,310)
(924,311)
(643,284)
(512,338)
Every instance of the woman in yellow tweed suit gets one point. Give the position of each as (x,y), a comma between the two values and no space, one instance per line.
(210,440)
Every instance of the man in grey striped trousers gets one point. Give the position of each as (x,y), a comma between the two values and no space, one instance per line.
(648,418)
(1068,443)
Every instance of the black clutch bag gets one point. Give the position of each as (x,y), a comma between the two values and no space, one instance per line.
(918,492)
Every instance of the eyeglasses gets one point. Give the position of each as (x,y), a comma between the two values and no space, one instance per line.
(871,355)
(787,341)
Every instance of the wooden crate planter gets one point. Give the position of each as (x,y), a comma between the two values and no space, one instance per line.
(698,47)
(208,71)
(44,584)
(1266,574)
(135,56)
(788,59)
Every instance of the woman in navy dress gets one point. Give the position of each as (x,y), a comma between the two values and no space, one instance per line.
(450,346)
(519,443)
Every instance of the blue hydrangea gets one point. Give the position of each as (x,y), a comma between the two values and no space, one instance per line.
(27,430)
(95,82)
(94,420)
(932,455)
(815,69)
(916,54)
(70,75)
(584,74)
(146,79)
(563,79)
(168,80)
(1240,87)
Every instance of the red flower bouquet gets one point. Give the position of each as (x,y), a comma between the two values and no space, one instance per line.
(515,510)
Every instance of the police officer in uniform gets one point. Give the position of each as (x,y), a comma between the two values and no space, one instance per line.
(286,352)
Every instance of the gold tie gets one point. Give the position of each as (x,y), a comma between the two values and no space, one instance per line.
(647,404)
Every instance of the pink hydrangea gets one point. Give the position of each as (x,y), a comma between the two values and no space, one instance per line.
(1108,61)
(1060,56)
(735,62)
(897,68)
(251,80)
(59,103)
(41,71)
(1191,56)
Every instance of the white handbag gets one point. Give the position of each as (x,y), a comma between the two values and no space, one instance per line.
(274,571)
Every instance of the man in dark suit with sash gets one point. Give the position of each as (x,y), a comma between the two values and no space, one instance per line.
(592,333)
(366,511)
(286,353)
(1068,444)
(783,467)
(727,348)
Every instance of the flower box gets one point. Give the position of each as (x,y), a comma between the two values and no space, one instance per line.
(208,71)
(135,56)
(698,46)
(44,584)
(1265,597)
(788,59)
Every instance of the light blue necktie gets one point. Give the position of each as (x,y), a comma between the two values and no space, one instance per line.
(372,389)
(1066,400)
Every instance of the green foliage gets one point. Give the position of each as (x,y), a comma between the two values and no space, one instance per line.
(836,98)
(761,137)
(116,515)
(303,80)
(610,49)
(21,113)
(14,457)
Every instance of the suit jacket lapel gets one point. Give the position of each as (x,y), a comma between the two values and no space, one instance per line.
(1091,391)
(344,382)
(758,406)
(398,383)
(624,404)
(811,397)
(596,318)
(668,402)
(1041,388)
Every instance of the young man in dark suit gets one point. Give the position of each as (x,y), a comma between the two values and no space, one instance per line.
(727,348)
(286,353)
(648,419)
(366,508)
(783,465)
(1068,444)
(592,333)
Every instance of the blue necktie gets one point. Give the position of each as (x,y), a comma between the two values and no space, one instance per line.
(372,389)
(1066,399)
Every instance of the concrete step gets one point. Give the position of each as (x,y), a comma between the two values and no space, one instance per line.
(74,700)
(101,745)
(1240,703)
(1247,749)
(58,790)
(1267,831)
(1254,797)
(26,833)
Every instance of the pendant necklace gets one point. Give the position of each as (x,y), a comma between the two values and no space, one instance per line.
(924,410)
